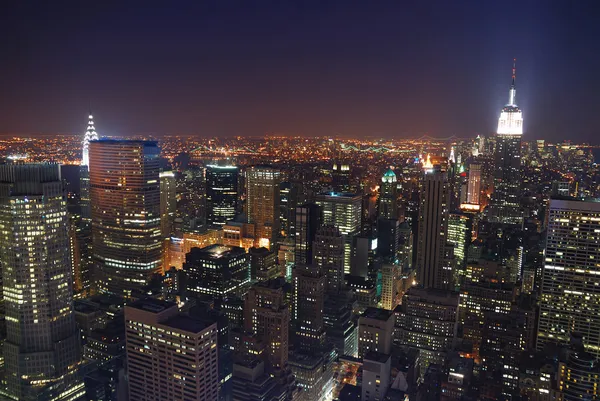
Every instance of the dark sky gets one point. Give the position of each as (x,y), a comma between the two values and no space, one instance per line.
(352,68)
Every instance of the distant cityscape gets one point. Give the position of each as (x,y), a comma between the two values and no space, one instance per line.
(303,269)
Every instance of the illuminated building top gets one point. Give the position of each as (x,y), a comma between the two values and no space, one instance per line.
(90,135)
(428,165)
(511,117)
(389,176)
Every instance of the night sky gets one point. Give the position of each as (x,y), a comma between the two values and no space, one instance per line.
(350,68)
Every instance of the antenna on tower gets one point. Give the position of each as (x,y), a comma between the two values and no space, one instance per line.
(514,71)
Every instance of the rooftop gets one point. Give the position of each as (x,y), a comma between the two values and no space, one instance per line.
(377,356)
(376,313)
(186,323)
(152,305)
(333,194)
(218,251)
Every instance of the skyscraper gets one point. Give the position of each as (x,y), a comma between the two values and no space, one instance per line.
(474,185)
(221,194)
(309,298)
(426,320)
(262,186)
(126,229)
(267,315)
(570,300)
(505,205)
(344,211)
(168,202)
(433,222)
(82,238)
(307,222)
(90,135)
(388,206)
(389,286)
(328,248)
(42,349)
(459,235)
(170,356)
(217,270)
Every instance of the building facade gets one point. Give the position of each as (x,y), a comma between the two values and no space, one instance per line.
(221,194)
(125,205)
(432,230)
(505,204)
(263,203)
(570,300)
(169,356)
(42,346)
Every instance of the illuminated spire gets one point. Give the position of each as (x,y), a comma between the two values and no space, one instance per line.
(513,90)
(428,164)
(90,135)
(511,117)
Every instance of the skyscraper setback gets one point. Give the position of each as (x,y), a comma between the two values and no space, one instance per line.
(42,348)
(505,205)
(126,224)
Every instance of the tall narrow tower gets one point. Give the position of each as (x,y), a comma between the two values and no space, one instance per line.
(505,207)
(387,196)
(83,229)
(433,225)
(262,186)
(42,349)
(90,135)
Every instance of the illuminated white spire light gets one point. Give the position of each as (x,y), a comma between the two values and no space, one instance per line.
(90,135)
(511,117)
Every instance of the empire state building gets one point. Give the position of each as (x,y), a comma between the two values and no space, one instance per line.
(505,205)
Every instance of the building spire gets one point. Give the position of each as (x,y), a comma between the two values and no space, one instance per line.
(513,90)
(90,135)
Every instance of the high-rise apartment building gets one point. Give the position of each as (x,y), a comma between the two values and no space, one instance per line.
(126,226)
(570,300)
(42,346)
(388,194)
(170,356)
(221,194)
(344,211)
(262,201)
(433,224)
(505,205)
(307,222)
(217,270)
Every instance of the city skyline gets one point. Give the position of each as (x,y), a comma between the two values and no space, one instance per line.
(385,71)
(293,243)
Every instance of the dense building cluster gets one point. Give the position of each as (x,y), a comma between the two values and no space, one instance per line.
(304,269)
